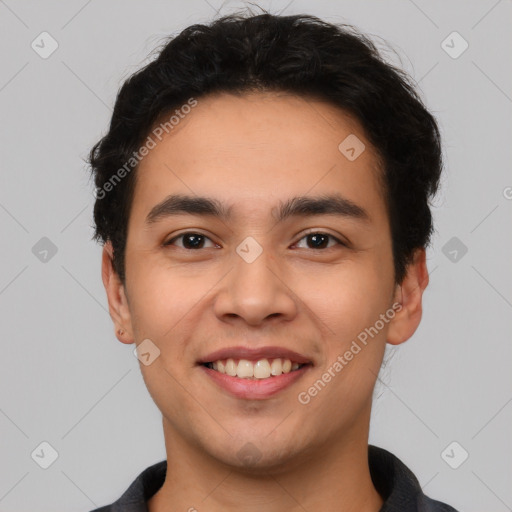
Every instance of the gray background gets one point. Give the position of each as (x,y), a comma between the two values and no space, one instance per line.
(66,380)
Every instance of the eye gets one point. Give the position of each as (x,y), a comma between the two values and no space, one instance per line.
(319,240)
(191,240)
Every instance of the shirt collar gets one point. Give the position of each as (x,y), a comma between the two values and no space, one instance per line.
(393,480)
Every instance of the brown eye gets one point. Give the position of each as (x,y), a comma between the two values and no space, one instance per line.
(190,241)
(319,240)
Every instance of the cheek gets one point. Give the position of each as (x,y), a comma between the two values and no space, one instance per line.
(349,297)
(162,311)
(163,385)
(161,300)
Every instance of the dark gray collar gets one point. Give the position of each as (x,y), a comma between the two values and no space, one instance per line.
(394,481)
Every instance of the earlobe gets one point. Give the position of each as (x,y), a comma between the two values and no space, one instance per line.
(409,294)
(117,302)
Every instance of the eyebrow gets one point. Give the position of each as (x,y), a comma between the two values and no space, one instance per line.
(302,206)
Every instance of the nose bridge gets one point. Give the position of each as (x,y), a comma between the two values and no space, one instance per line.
(254,289)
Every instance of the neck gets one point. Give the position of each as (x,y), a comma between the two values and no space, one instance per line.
(336,478)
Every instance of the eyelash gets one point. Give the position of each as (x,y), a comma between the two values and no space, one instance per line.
(170,242)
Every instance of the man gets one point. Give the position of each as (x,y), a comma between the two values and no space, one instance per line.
(263,199)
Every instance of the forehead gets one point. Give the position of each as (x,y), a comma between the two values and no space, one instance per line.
(257,149)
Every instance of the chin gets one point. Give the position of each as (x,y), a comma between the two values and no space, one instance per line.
(256,454)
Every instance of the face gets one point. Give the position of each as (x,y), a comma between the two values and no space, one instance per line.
(272,278)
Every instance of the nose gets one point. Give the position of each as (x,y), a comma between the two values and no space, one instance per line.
(256,292)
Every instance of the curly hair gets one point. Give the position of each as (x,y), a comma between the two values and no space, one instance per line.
(298,54)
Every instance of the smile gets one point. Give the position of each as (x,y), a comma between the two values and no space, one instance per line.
(260,369)
(254,373)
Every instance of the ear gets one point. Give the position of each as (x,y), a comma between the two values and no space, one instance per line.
(117,302)
(409,294)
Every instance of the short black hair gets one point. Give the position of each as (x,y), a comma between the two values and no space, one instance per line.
(299,54)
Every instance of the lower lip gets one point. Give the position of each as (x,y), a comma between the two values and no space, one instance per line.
(255,389)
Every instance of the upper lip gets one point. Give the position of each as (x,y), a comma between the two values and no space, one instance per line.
(254,354)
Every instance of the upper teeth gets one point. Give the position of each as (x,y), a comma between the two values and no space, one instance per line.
(261,369)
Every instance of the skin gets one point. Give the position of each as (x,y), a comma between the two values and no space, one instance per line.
(251,152)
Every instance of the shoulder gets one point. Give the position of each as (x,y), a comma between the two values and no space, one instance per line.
(398,485)
(140,490)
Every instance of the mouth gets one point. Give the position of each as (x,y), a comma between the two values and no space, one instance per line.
(255,374)
(259,369)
